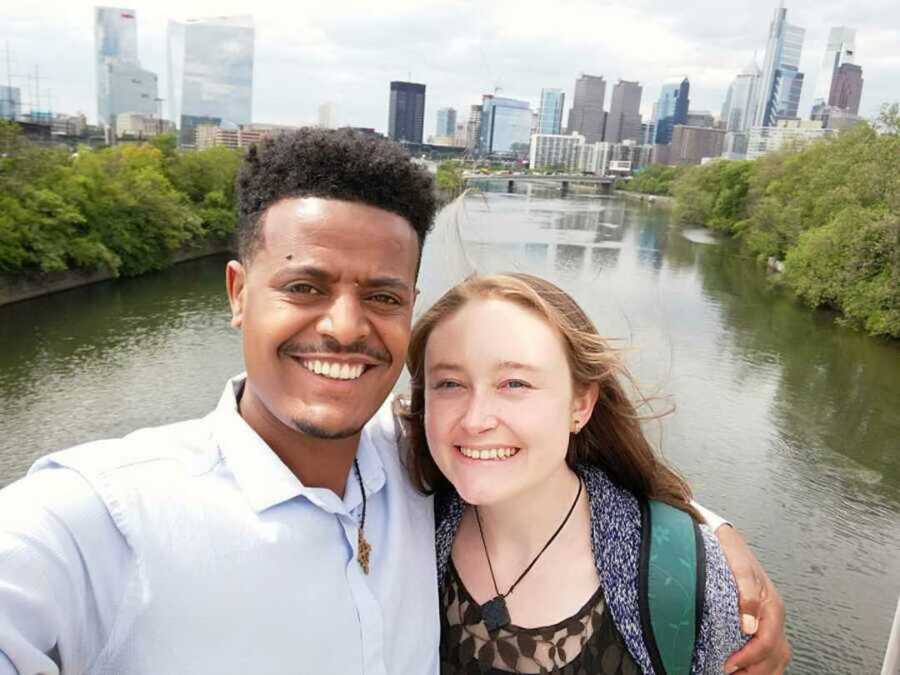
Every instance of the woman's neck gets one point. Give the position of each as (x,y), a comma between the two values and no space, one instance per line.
(521,526)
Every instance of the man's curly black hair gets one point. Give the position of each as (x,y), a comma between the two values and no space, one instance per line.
(333,164)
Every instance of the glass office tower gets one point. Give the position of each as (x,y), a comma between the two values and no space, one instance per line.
(781,81)
(553,101)
(505,125)
(210,65)
(671,108)
(122,85)
(406,112)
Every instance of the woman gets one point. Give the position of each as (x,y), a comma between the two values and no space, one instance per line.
(519,423)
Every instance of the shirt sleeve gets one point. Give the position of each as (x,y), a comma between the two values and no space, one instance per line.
(714,520)
(64,567)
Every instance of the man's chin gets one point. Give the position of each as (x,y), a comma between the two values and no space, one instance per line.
(325,432)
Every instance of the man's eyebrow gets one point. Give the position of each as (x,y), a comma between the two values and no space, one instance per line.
(386,282)
(323,276)
(308,271)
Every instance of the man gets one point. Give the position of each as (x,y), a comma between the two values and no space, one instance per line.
(279,533)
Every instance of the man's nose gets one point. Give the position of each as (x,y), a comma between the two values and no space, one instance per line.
(345,320)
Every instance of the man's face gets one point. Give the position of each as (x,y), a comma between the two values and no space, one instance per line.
(325,306)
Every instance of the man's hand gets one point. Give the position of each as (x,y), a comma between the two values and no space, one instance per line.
(761,608)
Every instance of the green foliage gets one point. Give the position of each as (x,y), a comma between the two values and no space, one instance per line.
(829,209)
(656,179)
(125,209)
(450,176)
(714,194)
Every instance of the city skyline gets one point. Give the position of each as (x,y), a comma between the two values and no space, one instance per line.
(335,56)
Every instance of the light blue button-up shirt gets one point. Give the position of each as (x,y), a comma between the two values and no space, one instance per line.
(191,548)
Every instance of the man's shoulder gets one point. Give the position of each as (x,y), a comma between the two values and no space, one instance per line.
(187,445)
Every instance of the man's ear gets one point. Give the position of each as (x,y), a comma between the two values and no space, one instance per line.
(236,283)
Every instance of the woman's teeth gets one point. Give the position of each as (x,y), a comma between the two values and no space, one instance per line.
(335,370)
(491,453)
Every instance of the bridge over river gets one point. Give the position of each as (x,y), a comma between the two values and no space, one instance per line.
(604,185)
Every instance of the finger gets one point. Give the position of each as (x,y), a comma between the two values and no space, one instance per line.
(767,646)
(751,593)
(751,654)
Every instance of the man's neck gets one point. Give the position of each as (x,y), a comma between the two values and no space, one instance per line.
(316,462)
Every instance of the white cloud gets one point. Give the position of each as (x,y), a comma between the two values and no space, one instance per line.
(347,52)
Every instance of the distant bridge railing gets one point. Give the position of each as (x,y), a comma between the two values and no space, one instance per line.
(605,185)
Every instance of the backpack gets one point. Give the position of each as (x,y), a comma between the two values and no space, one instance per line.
(671,585)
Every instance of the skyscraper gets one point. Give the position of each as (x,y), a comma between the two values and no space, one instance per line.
(624,120)
(587,116)
(446,122)
(10,102)
(553,102)
(122,85)
(406,113)
(505,125)
(328,115)
(672,107)
(846,88)
(473,128)
(781,81)
(210,63)
(740,106)
(739,111)
(840,49)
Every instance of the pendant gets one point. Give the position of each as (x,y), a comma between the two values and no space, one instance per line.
(362,551)
(495,614)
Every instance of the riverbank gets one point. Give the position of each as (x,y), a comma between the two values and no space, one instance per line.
(36,285)
(659,200)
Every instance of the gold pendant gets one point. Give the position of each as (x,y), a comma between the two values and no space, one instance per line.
(362,551)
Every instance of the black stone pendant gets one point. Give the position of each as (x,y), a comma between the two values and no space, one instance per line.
(495,614)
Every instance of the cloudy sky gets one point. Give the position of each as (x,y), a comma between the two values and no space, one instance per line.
(347,52)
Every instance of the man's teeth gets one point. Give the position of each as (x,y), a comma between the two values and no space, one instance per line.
(335,370)
(492,453)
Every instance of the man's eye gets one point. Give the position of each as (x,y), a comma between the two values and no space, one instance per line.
(384,299)
(302,289)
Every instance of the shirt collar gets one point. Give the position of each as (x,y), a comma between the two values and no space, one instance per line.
(261,475)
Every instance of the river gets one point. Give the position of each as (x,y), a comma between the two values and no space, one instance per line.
(785,422)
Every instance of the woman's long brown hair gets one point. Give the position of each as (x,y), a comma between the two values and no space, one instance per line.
(612,439)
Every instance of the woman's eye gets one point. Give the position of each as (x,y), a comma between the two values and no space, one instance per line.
(516,384)
(446,384)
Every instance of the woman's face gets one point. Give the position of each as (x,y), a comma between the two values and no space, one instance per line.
(499,401)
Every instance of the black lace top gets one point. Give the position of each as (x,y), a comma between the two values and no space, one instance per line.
(584,644)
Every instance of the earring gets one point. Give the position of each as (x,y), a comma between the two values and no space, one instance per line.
(575,426)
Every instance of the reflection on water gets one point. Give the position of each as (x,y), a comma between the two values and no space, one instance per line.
(784,422)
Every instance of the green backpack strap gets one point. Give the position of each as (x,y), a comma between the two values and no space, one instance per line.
(672,579)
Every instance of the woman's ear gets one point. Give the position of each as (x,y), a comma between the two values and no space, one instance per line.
(583,405)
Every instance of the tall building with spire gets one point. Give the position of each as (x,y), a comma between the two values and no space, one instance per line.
(781,81)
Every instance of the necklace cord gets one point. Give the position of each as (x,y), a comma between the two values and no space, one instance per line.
(362,490)
(540,553)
